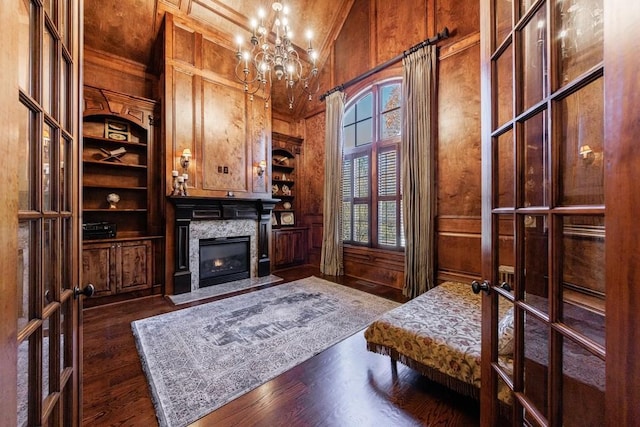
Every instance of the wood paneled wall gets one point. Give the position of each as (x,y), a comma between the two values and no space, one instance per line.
(374,32)
(108,71)
(210,114)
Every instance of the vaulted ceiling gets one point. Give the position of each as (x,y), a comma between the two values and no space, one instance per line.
(129,28)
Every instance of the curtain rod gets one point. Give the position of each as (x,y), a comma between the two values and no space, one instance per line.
(440,36)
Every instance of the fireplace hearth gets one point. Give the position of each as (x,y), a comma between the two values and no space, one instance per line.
(224,259)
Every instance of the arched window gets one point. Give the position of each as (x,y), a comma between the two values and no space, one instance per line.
(372,199)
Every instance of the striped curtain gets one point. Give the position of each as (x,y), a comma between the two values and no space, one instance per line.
(331,257)
(418,169)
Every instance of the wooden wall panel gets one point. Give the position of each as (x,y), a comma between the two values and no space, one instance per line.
(216,58)
(182,118)
(224,151)
(462,17)
(352,46)
(210,114)
(184,42)
(458,158)
(108,71)
(313,162)
(375,265)
(458,253)
(259,131)
(411,18)
(312,193)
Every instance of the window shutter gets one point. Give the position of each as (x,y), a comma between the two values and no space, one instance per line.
(387,188)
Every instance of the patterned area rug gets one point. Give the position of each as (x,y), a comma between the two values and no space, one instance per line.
(223,288)
(200,358)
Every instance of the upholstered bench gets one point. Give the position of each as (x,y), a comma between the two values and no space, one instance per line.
(438,335)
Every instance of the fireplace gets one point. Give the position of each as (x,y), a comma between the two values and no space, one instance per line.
(224,259)
(201,218)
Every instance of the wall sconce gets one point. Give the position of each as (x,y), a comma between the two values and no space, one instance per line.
(261,168)
(586,153)
(185,158)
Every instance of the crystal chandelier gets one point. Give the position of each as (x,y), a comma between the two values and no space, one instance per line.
(257,67)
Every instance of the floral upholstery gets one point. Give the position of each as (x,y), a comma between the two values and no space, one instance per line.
(438,334)
(440,329)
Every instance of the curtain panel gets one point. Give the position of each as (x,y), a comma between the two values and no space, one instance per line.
(418,169)
(331,261)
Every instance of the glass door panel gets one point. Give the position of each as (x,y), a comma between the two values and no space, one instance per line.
(583,276)
(48,70)
(505,157)
(506,257)
(506,336)
(25,60)
(534,59)
(579,32)
(535,166)
(503,86)
(583,386)
(47,158)
(525,5)
(25,155)
(503,20)
(535,269)
(581,133)
(536,362)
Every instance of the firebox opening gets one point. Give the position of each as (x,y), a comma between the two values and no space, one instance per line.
(224,259)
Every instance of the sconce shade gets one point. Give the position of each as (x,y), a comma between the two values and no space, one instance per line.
(261,168)
(585,150)
(185,158)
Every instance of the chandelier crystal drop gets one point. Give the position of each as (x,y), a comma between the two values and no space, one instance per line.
(267,65)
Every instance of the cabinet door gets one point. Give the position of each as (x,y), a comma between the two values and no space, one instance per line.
(135,265)
(282,248)
(298,246)
(99,267)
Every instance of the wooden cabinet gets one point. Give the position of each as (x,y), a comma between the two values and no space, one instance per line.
(289,242)
(290,246)
(118,266)
(284,161)
(120,191)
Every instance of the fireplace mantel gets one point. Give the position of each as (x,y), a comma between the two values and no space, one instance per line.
(189,208)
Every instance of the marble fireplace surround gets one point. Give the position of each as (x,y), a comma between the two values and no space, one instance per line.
(209,217)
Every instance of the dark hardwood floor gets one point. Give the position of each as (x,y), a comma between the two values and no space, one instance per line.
(343,386)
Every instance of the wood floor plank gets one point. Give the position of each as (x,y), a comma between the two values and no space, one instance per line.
(343,386)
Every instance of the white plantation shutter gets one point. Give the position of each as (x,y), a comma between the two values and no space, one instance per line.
(388,203)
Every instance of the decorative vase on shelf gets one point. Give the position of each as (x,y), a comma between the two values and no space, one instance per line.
(113,200)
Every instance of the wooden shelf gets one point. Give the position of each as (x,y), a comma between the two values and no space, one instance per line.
(283,181)
(115,187)
(282,167)
(117,210)
(100,140)
(113,164)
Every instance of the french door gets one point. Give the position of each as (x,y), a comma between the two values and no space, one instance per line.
(543,212)
(43,134)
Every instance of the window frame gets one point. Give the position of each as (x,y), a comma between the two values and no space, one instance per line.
(373,150)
